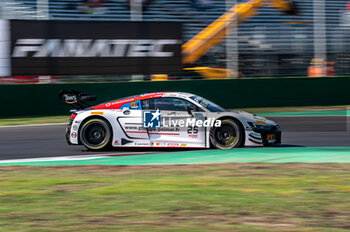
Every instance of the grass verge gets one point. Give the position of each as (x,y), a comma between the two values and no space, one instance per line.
(225,197)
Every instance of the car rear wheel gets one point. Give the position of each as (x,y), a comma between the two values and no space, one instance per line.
(228,135)
(95,134)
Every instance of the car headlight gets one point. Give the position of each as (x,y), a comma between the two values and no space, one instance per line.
(256,126)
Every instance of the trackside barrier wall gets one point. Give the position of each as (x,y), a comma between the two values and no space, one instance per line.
(41,99)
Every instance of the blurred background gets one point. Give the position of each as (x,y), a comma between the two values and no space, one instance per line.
(308,38)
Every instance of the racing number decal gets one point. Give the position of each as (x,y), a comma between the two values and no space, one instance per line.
(270,136)
(192,130)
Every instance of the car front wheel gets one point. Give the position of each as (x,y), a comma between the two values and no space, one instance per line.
(228,135)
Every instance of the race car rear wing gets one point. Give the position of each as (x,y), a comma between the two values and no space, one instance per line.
(76,98)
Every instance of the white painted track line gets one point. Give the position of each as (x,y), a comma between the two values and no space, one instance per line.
(74,157)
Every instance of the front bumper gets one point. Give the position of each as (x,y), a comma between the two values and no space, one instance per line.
(267,137)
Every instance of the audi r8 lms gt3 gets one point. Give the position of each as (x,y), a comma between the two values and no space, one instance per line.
(164,119)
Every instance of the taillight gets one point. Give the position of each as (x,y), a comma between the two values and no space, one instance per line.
(73,116)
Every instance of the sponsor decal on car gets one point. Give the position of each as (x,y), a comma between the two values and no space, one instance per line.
(173,145)
(134,105)
(131,128)
(164,129)
(151,119)
(176,145)
(158,144)
(270,138)
(73,135)
(97,113)
(143,144)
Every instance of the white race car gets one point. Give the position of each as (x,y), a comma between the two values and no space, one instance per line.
(164,119)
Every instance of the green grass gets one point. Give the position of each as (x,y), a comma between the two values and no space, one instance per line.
(225,197)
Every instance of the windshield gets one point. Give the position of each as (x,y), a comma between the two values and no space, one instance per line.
(212,107)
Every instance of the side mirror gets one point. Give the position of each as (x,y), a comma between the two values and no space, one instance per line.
(190,109)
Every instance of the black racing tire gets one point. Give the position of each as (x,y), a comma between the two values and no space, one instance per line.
(229,135)
(95,134)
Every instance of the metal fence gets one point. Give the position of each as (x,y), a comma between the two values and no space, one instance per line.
(268,44)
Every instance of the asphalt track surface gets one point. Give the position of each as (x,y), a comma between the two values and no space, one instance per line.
(49,141)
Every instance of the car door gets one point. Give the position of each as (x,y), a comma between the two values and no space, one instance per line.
(174,131)
(131,121)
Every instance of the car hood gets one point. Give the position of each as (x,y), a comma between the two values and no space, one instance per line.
(245,116)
